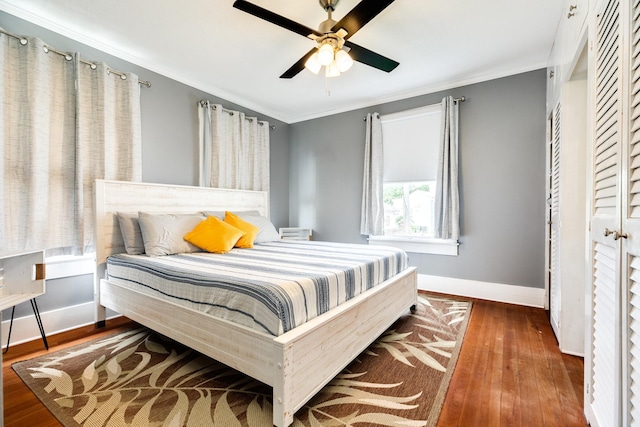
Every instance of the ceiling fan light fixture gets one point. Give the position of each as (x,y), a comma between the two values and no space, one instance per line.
(325,54)
(343,61)
(313,64)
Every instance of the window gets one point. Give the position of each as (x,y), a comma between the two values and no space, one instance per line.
(408,208)
(411,142)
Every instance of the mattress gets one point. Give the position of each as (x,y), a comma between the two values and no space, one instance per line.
(272,287)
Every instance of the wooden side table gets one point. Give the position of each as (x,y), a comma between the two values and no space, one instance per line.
(295,233)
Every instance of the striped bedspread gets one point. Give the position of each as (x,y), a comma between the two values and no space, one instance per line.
(272,287)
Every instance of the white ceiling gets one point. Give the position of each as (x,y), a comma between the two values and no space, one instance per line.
(214,47)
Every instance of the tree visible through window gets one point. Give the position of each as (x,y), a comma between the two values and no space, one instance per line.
(408,208)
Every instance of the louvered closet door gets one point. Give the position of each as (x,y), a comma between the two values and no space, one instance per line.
(554,257)
(603,363)
(631,226)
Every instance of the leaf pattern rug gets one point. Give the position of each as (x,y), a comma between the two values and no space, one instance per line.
(140,378)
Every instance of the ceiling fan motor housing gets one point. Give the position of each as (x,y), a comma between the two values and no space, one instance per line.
(328,4)
(326,26)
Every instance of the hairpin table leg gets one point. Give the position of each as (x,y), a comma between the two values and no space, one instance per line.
(13,310)
(36,313)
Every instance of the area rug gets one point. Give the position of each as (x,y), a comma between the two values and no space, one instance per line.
(140,378)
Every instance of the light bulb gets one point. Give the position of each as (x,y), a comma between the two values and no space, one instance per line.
(313,64)
(325,54)
(332,70)
(343,60)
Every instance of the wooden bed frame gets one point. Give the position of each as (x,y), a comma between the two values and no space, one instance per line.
(296,364)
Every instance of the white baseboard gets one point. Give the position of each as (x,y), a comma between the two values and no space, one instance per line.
(55,321)
(512,294)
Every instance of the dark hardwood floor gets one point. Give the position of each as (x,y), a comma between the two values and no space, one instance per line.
(510,373)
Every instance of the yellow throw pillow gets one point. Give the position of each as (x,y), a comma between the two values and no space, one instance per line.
(250,230)
(214,235)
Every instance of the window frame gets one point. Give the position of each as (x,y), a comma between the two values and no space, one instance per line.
(421,245)
(416,244)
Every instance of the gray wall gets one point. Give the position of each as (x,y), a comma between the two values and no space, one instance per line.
(169,145)
(502,164)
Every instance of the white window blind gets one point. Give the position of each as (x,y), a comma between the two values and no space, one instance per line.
(411,144)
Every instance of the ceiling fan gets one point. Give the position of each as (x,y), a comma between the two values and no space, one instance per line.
(330,33)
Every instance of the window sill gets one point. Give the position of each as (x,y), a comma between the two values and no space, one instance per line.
(62,266)
(420,245)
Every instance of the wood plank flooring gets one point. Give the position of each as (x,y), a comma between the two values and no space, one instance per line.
(510,373)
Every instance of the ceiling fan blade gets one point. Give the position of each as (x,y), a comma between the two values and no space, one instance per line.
(298,66)
(366,56)
(364,12)
(274,18)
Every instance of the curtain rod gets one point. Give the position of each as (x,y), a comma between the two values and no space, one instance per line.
(23,41)
(230,112)
(461,99)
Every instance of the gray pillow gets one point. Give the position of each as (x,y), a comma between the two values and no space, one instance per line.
(163,234)
(131,234)
(267,231)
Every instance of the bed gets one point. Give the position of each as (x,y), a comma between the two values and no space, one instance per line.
(298,362)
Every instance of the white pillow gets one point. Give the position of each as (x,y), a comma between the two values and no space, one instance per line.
(163,234)
(267,231)
(131,234)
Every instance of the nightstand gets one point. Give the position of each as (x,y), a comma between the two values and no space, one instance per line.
(295,233)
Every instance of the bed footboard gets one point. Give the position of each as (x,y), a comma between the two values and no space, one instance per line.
(312,354)
(296,364)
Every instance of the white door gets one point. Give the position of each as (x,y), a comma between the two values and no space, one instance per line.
(555,293)
(631,227)
(603,355)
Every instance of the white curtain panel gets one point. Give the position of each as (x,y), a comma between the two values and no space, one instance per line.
(204,138)
(56,140)
(260,160)
(37,128)
(109,138)
(372,213)
(234,149)
(447,204)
